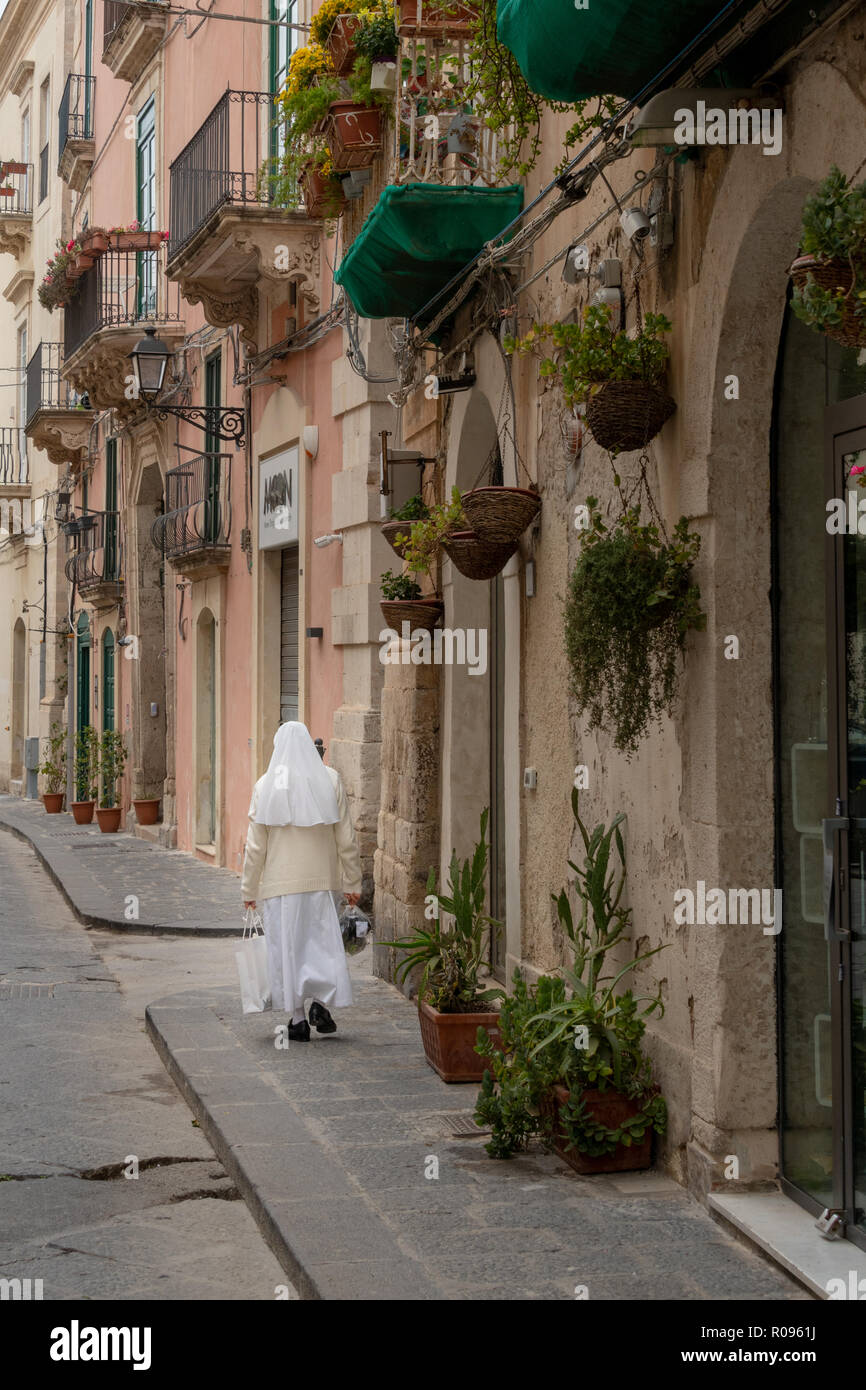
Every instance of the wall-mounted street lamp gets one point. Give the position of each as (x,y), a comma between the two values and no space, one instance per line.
(149,360)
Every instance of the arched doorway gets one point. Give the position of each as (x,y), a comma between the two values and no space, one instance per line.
(82,672)
(205,726)
(474,704)
(820,620)
(108,683)
(19,699)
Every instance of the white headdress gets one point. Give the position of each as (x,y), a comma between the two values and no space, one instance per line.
(297,788)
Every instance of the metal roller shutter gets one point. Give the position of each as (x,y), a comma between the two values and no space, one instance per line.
(289,634)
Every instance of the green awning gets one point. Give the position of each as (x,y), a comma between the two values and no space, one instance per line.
(416,239)
(612,47)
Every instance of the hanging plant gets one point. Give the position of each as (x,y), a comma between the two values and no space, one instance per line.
(402,602)
(59,285)
(304,103)
(830,273)
(629,606)
(423,541)
(395,530)
(618,375)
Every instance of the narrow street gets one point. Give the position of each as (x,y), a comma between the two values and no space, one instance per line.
(84,1095)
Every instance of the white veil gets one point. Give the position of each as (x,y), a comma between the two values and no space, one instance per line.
(297,788)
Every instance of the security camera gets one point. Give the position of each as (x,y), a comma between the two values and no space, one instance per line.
(635,224)
(322,541)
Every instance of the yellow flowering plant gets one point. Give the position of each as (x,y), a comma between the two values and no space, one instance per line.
(328,13)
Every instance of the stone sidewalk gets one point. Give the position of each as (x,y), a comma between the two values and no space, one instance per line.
(100,876)
(347,1152)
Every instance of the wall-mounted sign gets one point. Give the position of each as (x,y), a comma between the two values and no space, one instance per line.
(278,500)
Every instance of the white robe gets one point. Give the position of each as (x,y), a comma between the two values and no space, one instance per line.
(306,958)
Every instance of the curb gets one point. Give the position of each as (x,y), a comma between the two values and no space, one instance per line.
(104,921)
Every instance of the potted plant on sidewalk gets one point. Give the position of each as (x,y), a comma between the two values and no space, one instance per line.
(146,809)
(451,953)
(629,605)
(829,274)
(620,376)
(86,775)
(53,769)
(567,1064)
(112,760)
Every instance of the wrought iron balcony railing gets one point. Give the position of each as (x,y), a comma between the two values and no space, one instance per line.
(14,460)
(98,557)
(76,111)
(114,14)
(198,509)
(439,135)
(121,290)
(222,163)
(46,389)
(16,189)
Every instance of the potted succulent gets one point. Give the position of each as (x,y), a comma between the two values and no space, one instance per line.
(53,769)
(567,1063)
(112,760)
(402,603)
(86,775)
(451,952)
(619,376)
(629,605)
(414,510)
(829,274)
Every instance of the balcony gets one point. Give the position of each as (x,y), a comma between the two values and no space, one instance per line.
(16,208)
(226,232)
(14,463)
(96,567)
(123,291)
(75,134)
(194,531)
(58,421)
(441,171)
(131,37)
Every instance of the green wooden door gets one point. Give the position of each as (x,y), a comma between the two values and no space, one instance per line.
(82,673)
(110,566)
(145,194)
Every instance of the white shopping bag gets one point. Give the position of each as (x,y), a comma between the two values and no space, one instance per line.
(252,959)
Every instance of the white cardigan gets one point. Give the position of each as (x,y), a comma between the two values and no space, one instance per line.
(301,858)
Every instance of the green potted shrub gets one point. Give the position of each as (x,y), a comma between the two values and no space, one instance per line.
(829,274)
(629,605)
(304,103)
(451,952)
(53,769)
(334,26)
(567,1064)
(112,760)
(376,43)
(414,510)
(618,375)
(86,775)
(402,603)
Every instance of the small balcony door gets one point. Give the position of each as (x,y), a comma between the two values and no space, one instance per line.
(110,554)
(212,400)
(82,674)
(145,186)
(283,43)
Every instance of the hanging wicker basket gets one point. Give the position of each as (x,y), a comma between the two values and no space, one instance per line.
(391,530)
(417,612)
(500,514)
(475,557)
(832,275)
(626,415)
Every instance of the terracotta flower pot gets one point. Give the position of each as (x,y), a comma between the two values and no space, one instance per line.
(355,136)
(436,18)
(449,1042)
(109,819)
(84,261)
(609,1108)
(136,241)
(323,197)
(83,812)
(94,243)
(53,802)
(419,612)
(341,43)
(147,810)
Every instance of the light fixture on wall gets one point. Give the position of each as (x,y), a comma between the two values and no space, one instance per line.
(322,541)
(149,360)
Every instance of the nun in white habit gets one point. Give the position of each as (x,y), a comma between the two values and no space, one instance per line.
(300,849)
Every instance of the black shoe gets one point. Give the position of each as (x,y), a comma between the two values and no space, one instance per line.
(299,1032)
(321,1019)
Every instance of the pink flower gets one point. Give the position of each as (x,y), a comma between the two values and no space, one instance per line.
(165,236)
(133,227)
(859,468)
(69,245)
